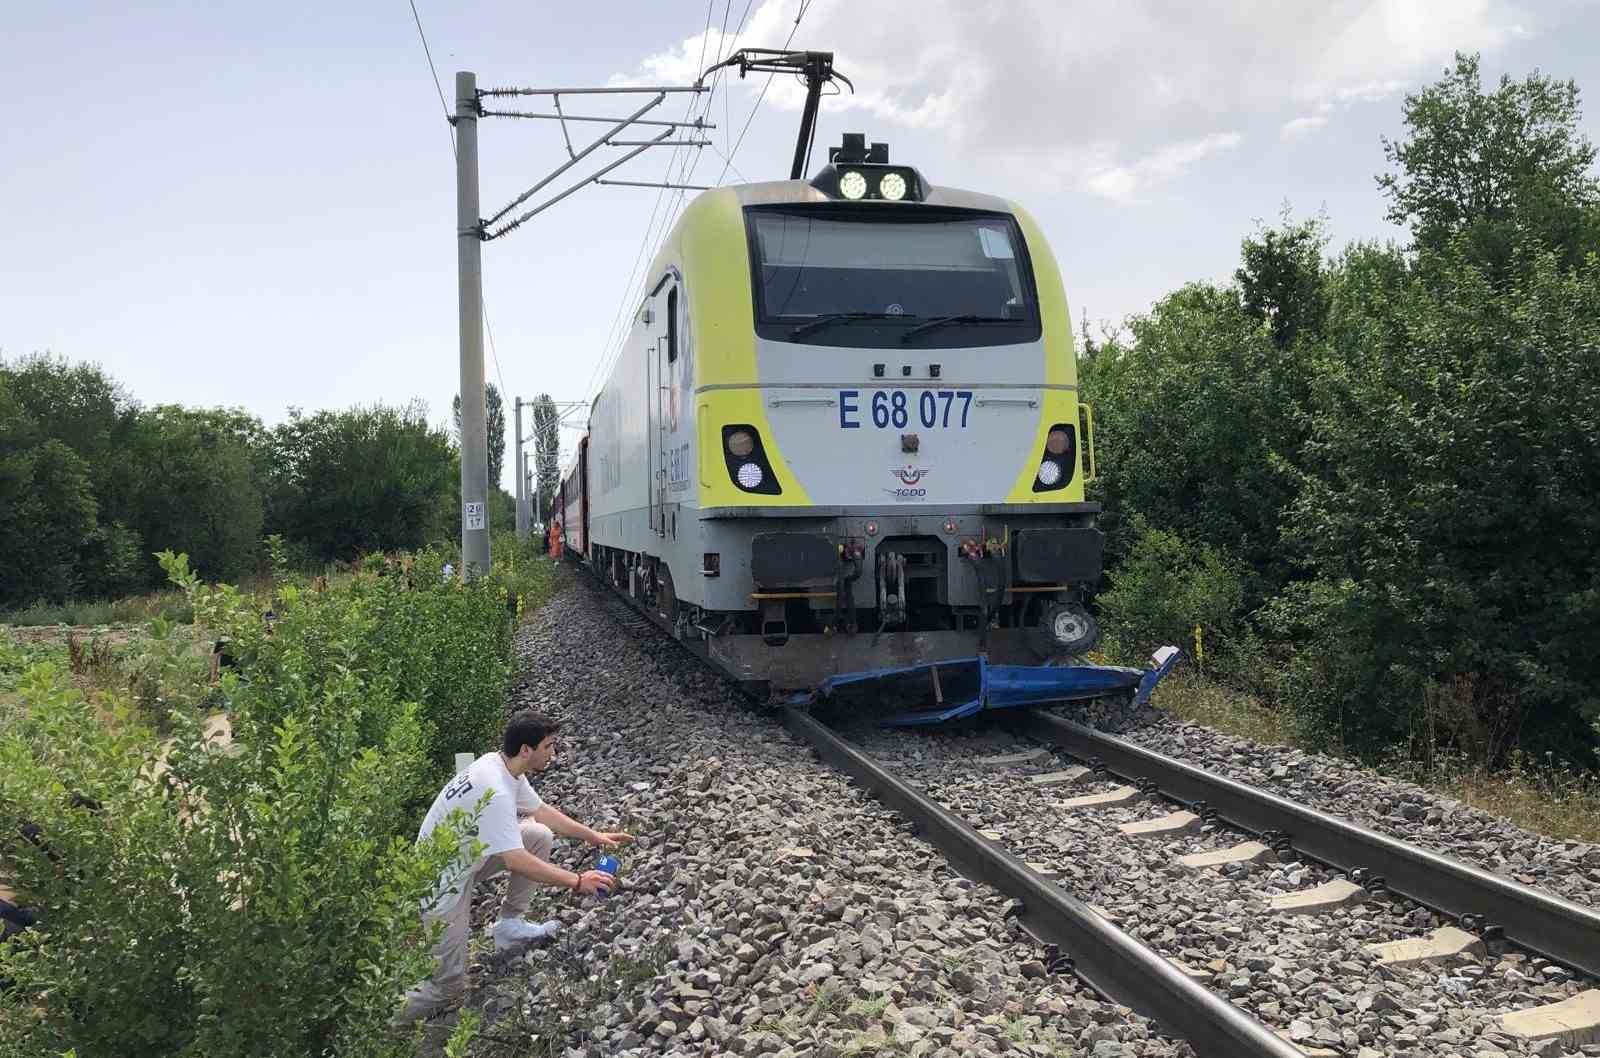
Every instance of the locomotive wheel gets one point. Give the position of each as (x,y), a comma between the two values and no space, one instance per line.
(1065,628)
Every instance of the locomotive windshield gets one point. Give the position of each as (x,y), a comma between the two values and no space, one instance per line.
(921,278)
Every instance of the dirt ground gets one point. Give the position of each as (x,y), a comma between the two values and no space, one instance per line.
(58,635)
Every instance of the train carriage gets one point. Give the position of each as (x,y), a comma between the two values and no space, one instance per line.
(572,503)
(844,432)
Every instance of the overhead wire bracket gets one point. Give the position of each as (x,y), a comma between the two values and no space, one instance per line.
(486,229)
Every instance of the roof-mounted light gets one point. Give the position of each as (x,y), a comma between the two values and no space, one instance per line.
(858,171)
(870,183)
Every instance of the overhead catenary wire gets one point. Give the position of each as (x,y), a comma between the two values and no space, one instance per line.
(678,203)
(616,337)
(428,53)
(603,362)
(805,5)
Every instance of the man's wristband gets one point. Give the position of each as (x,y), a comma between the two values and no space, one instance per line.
(577,880)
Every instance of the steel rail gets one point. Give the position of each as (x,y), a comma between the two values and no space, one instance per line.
(1558,929)
(1109,960)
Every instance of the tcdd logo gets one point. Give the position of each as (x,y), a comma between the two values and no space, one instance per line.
(908,476)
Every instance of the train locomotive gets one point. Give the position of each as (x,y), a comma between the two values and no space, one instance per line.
(843,439)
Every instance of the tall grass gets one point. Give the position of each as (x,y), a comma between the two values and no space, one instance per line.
(136,609)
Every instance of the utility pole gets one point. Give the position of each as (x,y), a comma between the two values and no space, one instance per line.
(473,230)
(522,495)
(469,271)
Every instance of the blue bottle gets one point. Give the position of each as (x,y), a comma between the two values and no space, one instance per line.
(609,865)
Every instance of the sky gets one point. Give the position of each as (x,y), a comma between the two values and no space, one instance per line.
(253,205)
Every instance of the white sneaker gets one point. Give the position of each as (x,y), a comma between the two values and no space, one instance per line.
(515,932)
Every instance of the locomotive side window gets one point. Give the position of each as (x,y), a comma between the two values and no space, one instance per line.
(672,325)
(864,278)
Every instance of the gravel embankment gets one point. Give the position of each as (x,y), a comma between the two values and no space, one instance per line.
(769,907)
(1308,976)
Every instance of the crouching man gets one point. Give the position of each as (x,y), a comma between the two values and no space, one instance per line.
(517,830)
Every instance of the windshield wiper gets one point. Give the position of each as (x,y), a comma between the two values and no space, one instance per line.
(833,317)
(965,317)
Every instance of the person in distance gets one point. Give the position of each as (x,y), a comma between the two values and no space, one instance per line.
(518,831)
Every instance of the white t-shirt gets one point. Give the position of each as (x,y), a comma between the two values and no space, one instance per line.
(498,829)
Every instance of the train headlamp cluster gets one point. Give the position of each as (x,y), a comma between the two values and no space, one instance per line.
(1059,461)
(747,460)
(876,182)
(860,178)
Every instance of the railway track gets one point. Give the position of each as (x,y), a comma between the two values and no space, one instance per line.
(1198,976)
(1558,929)
(1344,967)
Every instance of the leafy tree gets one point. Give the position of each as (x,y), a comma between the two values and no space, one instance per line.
(1194,428)
(1281,279)
(47,515)
(368,479)
(1494,167)
(1446,503)
(547,429)
(78,405)
(198,487)
(495,417)
(18,430)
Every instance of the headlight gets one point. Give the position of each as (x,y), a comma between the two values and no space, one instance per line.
(1049,472)
(852,184)
(892,187)
(741,444)
(749,476)
(1056,442)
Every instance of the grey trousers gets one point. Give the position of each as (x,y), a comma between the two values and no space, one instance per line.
(449,981)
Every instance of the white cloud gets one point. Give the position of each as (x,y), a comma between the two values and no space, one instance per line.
(1369,92)
(1302,126)
(1111,97)
(1123,182)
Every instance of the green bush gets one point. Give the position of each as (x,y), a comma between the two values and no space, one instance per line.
(261,900)
(1166,592)
(524,568)
(255,903)
(1445,508)
(1193,421)
(446,646)
(408,635)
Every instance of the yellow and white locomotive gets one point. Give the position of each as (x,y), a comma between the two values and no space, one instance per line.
(844,432)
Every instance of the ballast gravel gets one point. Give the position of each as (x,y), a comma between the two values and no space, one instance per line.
(1308,976)
(768,907)
(1570,869)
